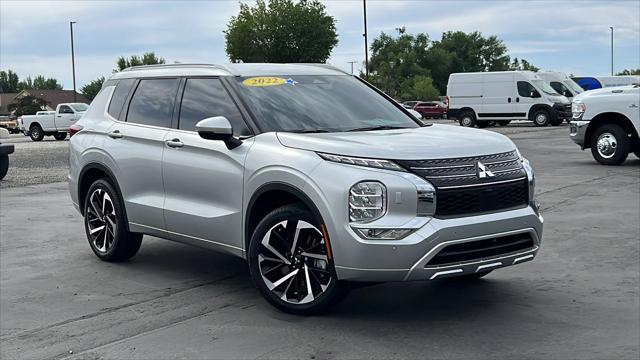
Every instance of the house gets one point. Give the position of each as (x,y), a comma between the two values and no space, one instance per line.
(51,97)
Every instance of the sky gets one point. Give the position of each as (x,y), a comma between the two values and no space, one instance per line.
(571,36)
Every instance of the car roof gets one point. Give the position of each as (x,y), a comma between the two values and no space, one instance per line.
(240,69)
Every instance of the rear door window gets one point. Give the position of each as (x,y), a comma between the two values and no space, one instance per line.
(205,98)
(119,97)
(152,103)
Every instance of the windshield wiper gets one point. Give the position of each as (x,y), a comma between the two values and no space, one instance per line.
(373,128)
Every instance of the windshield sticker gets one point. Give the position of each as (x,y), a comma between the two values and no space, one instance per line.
(265,81)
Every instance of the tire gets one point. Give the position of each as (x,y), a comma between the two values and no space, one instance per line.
(4,166)
(483,124)
(470,277)
(272,261)
(541,117)
(503,122)
(36,133)
(123,244)
(467,119)
(610,144)
(60,136)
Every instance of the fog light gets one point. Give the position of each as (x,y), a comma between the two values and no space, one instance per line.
(382,234)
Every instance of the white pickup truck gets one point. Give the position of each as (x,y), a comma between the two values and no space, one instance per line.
(607,121)
(56,123)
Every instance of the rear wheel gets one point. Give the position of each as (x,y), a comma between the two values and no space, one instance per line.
(105,224)
(541,117)
(36,133)
(610,144)
(60,136)
(290,263)
(503,122)
(468,119)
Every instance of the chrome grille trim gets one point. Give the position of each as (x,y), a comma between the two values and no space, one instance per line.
(485,184)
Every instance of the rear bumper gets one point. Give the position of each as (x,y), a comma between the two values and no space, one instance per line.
(408,259)
(6,149)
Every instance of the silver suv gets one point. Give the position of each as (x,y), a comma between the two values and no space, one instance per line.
(313,176)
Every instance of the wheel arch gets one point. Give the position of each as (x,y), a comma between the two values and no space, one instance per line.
(269,197)
(610,118)
(34,123)
(92,172)
(537,107)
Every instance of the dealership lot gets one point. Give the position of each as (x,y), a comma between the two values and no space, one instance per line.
(578,299)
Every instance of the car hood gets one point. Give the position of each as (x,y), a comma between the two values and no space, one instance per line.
(429,142)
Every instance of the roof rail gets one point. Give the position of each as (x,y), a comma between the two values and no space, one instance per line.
(156,66)
(321,65)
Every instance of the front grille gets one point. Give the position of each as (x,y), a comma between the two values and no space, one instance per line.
(482,249)
(481,199)
(475,184)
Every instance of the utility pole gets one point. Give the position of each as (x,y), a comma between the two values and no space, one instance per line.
(611,27)
(351,62)
(366,45)
(73,63)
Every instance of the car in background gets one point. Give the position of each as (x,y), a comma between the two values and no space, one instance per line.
(410,104)
(481,98)
(431,109)
(9,124)
(56,123)
(607,121)
(599,82)
(5,150)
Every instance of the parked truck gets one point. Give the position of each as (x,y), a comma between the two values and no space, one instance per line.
(51,123)
(607,121)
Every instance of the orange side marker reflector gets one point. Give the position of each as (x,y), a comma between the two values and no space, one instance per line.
(326,240)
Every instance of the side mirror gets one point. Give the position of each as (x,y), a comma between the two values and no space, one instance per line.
(218,128)
(535,94)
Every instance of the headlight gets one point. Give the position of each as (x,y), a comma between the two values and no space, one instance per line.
(578,109)
(367,201)
(374,163)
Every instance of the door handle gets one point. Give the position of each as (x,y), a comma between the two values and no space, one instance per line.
(508,99)
(517,99)
(174,143)
(116,134)
(59,115)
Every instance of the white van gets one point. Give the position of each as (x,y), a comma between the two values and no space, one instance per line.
(482,97)
(561,83)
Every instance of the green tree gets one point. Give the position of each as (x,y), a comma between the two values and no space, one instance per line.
(27,105)
(91,89)
(523,64)
(148,58)
(282,31)
(423,89)
(8,81)
(39,83)
(629,72)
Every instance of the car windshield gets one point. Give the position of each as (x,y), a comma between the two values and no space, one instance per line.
(573,86)
(79,107)
(544,86)
(320,103)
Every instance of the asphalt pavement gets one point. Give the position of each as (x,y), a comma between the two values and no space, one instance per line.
(579,299)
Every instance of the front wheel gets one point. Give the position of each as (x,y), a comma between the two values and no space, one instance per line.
(610,145)
(541,118)
(60,136)
(105,224)
(290,262)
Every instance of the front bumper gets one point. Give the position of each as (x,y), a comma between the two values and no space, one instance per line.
(407,259)
(577,132)
(562,111)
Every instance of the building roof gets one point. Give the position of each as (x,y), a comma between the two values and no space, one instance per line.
(55,97)
(5,100)
(239,69)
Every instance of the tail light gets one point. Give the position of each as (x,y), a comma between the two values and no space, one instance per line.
(73,129)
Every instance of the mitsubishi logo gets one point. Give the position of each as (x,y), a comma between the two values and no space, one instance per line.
(483,172)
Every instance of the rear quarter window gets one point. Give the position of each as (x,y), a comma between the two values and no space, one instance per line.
(119,97)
